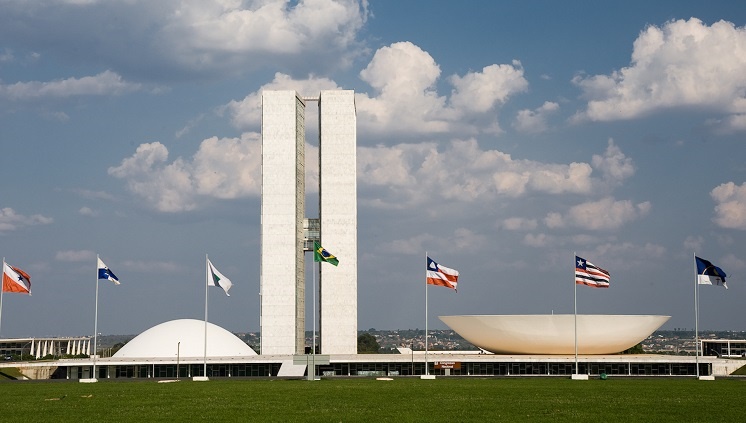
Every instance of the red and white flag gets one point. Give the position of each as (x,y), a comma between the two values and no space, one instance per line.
(15,280)
(441,275)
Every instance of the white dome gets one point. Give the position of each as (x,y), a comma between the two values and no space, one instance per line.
(186,336)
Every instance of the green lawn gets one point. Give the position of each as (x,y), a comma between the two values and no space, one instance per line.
(526,399)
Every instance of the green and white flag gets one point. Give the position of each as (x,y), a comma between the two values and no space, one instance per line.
(215,278)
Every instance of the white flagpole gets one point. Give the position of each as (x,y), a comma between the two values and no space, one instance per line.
(207,275)
(575,296)
(95,326)
(313,347)
(427,370)
(696,316)
(2,286)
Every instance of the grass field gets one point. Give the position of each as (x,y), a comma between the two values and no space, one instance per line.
(367,400)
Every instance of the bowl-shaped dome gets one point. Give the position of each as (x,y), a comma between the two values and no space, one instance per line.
(554,333)
(185,337)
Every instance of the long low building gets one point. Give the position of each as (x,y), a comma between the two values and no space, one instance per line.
(449,364)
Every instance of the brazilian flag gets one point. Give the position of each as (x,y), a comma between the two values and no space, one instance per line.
(320,254)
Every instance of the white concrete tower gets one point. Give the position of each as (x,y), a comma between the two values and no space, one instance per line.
(282,277)
(338,214)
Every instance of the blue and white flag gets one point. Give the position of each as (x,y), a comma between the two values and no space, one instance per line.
(105,273)
(709,274)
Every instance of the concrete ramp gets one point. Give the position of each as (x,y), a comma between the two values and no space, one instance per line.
(288,369)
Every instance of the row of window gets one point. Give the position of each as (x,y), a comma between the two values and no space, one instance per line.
(397,369)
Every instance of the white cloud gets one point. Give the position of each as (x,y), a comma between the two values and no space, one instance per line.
(535,121)
(404,79)
(603,214)
(536,240)
(692,243)
(11,221)
(75,256)
(166,39)
(731,262)
(224,168)
(466,240)
(481,91)
(105,83)
(389,177)
(519,224)
(730,211)
(613,165)
(414,174)
(87,211)
(247,113)
(682,63)
(461,239)
(278,26)
(411,245)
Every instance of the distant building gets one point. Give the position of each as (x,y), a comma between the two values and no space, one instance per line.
(724,347)
(42,347)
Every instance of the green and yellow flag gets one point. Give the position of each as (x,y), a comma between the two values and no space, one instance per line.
(320,254)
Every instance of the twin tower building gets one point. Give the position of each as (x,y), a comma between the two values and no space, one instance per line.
(287,234)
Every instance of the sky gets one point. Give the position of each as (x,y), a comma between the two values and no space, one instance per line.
(499,138)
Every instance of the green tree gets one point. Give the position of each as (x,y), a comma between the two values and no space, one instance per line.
(367,344)
(637,349)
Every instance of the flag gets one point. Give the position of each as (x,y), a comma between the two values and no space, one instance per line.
(16,280)
(441,275)
(215,278)
(105,273)
(709,274)
(586,273)
(320,254)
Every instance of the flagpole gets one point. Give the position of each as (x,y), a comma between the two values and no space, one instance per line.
(313,347)
(2,289)
(95,326)
(575,301)
(696,317)
(427,370)
(207,275)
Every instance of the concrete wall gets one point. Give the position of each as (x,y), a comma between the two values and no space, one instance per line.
(282,277)
(338,213)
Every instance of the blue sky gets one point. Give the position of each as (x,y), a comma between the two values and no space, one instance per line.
(498,137)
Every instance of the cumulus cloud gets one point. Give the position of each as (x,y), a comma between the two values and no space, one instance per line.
(404,78)
(11,221)
(224,168)
(519,224)
(682,63)
(247,113)
(169,39)
(603,214)
(105,83)
(414,174)
(535,121)
(614,165)
(481,91)
(730,211)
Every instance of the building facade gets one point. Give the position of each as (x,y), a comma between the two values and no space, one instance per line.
(283,243)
